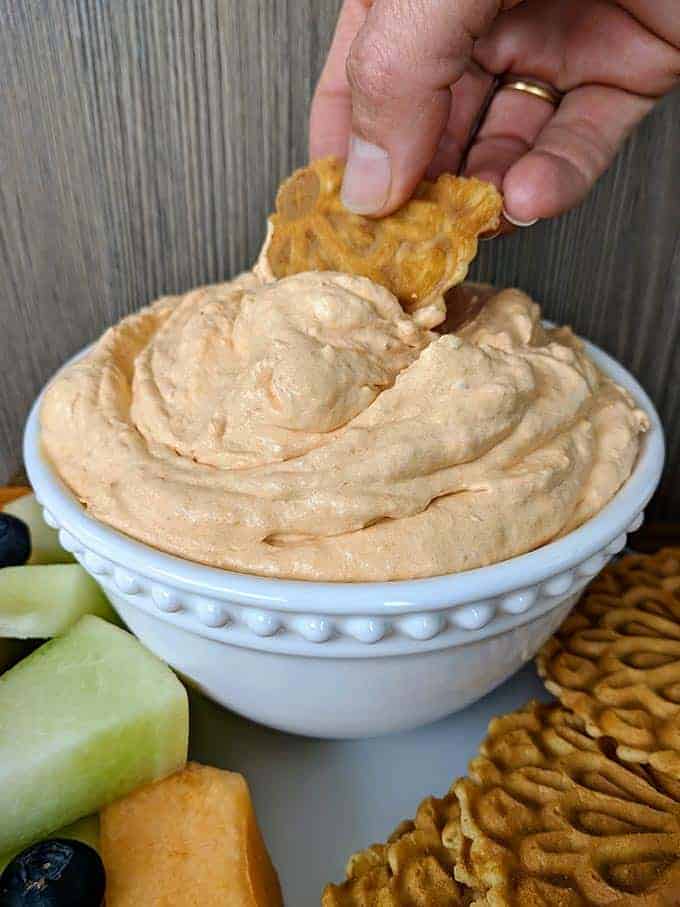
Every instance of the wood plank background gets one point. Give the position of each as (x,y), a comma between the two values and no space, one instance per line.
(141,142)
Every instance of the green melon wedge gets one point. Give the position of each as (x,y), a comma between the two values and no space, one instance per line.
(37,602)
(87,718)
(45,547)
(85,830)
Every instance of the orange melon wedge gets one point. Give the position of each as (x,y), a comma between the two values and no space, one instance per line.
(12,492)
(191,840)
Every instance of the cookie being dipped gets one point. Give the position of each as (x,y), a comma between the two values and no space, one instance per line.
(418,253)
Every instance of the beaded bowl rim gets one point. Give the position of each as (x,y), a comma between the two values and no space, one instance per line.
(387,598)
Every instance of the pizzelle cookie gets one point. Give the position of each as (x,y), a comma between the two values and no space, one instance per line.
(616,660)
(418,252)
(552,820)
(566,805)
(412,869)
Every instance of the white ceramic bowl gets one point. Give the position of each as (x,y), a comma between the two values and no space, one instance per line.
(348,659)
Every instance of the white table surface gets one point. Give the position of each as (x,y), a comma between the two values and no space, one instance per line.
(318,800)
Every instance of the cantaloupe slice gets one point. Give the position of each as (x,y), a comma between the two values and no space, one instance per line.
(12,492)
(191,840)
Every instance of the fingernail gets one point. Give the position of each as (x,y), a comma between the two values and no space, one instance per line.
(368,176)
(519,223)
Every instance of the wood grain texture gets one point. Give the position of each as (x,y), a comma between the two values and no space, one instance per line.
(141,144)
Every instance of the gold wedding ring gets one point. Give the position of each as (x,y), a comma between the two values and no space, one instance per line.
(531,86)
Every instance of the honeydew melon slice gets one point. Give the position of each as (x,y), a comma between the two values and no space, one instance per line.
(85,719)
(37,602)
(85,830)
(45,547)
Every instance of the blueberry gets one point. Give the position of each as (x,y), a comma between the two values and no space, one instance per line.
(54,873)
(15,541)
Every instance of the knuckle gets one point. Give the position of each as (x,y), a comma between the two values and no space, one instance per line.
(597,150)
(373,68)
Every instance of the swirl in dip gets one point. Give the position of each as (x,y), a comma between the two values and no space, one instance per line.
(310,428)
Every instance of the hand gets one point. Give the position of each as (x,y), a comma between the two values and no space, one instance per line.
(406,81)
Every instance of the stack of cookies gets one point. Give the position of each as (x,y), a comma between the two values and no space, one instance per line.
(575,803)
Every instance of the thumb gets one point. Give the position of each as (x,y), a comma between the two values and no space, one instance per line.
(400,67)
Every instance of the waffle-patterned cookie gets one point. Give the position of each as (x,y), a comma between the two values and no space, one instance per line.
(616,660)
(412,869)
(553,820)
(418,252)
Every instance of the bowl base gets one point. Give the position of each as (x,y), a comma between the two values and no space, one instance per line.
(342,698)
